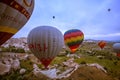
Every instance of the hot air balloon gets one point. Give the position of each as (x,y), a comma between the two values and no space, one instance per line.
(101,44)
(45,42)
(73,38)
(109,10)
(116,48)
(53,17)
(13,16)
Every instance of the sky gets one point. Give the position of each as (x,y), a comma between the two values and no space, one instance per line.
(90,16)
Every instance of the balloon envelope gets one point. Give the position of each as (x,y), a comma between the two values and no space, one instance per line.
(73,38)
(53,17)
(116,48)
(45,42)
(101,44)
(13,16)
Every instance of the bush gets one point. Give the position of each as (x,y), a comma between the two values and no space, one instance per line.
(12,49)
(3,49)
(20,50)
(83,62)
(105,68)
(115,63)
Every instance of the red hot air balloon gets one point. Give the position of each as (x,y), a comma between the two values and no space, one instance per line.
(45,42)
(116,48)
(101,44)
(73,38)
(13,16)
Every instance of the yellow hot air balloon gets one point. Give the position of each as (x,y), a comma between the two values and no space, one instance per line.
(13,16)
(73,38)
(45,42)
(116,48)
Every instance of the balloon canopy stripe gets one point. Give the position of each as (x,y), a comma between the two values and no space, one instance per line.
(74,39)
(46,61)
(74,48)
(74,43)
(4,36)
(8,29)
(28,5)
(72,31)
(73,34)
(17,6)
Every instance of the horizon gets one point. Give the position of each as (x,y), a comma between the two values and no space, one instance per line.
(118,41)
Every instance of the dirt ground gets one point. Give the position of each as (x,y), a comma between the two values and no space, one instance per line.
(84,73)
(89,73)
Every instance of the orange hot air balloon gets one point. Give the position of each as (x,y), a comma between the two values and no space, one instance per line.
(102,44)
(13,16)
(45,42)
(73,38)
(116,48)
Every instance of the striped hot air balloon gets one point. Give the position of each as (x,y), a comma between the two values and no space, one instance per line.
(73,38)
(101,44)
(45,42)
(13,16)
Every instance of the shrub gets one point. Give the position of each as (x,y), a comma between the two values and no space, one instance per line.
(105,68)
(83,62)
(12,49)
(115,63)
(20,50)
(3,49)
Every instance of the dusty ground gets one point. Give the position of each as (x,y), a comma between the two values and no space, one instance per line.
(84,73)
(89,73)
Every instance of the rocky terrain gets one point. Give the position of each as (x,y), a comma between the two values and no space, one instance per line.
(88,63)
(17,43)
(22,43)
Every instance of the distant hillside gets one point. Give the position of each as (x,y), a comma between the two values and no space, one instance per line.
(93,40)
(22,43)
